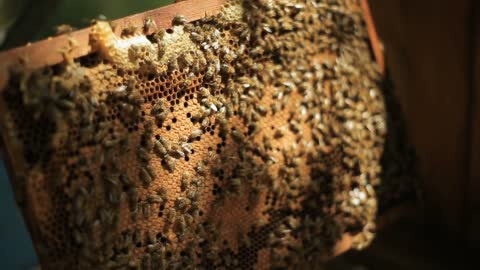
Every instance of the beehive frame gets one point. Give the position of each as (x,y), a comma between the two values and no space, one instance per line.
(160,124)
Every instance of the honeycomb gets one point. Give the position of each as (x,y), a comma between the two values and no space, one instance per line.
(250,139)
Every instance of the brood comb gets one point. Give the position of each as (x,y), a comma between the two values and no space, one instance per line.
(247,139)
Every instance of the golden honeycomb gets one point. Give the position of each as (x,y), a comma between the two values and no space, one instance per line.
(248,139)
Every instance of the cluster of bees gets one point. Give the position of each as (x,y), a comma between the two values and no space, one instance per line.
(247,139)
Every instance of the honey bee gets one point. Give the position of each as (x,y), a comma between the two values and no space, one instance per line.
(171,215)
(197,38)
(210,73)
(184,181)
(161,49)
(186,147)
(238,136)
(188,28)
(63,29)
(236,183)
(173,65)
(181,203)
(143,155)
(145,176)
(170,163)
(146,210)
(205,122)
(129,31)
(176,152)
(196,133)
(158,36)
(149,25)
(279,133)
(181,226)
(179,20)
(160,149)
(146,261)
(150,171)
(201,168)
(192,193)
(185,60)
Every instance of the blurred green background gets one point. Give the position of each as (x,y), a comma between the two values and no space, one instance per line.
(22,21)
(29,20)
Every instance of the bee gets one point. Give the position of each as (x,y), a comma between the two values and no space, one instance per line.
(227,69)
(158,261)
(238,136)
(125,144)
(145,176)
(171,215)
(188,28)
(77,237)
(148,128)
(154,199)
(137,237)
(196,37)
(158,36)
(210,73)
(164,142)
(64,104)
(192,193)
(149,25)
(205,122)
(161,117)
(147,143)
(128,31)
(261,110)
(204,92)
(143,155)
(201,59)
(160,149)
(294,126)
(115,197)
(196,133)
(161,48)
(170,163)
(63,29)
(134,264)
(236,183)
(132,197)
(107,216)
(162,192)
(201,168)
(181,203)
(197,182)
(186,147)
(150,237)
(146,210)
(184,181)
(176,152)
(111,179)
(179,20)
(189,219)
(279,133)
(173,65)
(158,108)
(185,60)
(146,261)
(150,171)
(181,226)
